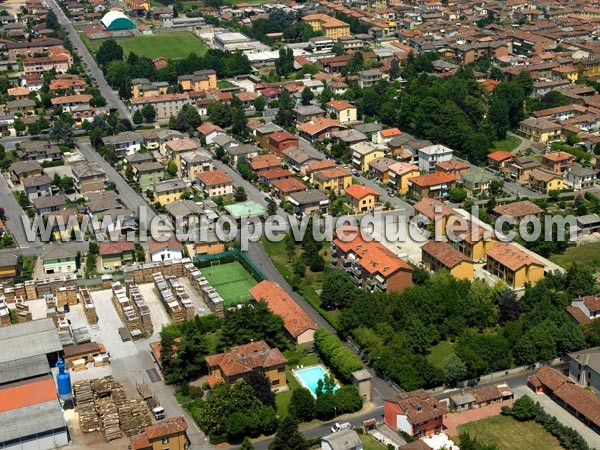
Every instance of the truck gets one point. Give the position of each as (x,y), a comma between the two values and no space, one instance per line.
(158,412)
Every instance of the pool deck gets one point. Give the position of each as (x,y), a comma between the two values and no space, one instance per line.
(303,383)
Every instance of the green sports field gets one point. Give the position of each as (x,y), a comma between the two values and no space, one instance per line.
(176,45)
(231,281)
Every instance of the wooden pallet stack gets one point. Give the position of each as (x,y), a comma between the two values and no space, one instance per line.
(66,295)
(109,417)
(84,399)
(30,290)
(133,292)
(20,290)
(134,416)
(9,294)
(180,293)
(4,312)
(107,281)
(22,310)
(169,300)
(89,308)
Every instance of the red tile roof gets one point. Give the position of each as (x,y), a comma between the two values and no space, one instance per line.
(281,136)
(419,406)
(501,155)
(511,256)
(518,209)
(444,253)
(276,173)
(358,191)
(33,392)
(207,127)
(171,243)
(245,358)
(295,320)
(114,248)
(214,178)
(166,427)
(319,124)
(433,179)
(578,314)
(289,185)
(340,105)
(389,132)
(320,165)
(432,208)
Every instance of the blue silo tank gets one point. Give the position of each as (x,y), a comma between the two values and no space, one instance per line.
(63,380)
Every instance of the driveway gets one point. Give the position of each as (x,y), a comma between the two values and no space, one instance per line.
(561,414)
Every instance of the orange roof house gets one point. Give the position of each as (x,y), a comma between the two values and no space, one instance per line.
(166,434)
(431,185)
(297,323)
(319,128)
(361,198)
(438,255)
(283,188)
(512,265)
(417,413)
(499,159)
(240,360)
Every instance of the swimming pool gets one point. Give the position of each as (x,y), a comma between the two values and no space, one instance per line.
(310,376)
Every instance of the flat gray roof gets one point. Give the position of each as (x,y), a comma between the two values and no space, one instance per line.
(22,368)
(22,340)
(31,420)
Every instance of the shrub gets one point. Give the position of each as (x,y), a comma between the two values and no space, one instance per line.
(333,352)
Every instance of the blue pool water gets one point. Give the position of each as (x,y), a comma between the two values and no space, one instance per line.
(311,376)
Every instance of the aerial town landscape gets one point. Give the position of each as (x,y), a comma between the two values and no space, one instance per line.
(330,224)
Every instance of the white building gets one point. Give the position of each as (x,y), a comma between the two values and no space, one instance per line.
(168,250)
(431,155)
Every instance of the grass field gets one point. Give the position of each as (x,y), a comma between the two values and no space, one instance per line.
(230,280)
(176,45)
(370,443)
(508,144)
(440,352)
(583,254)
(509,434)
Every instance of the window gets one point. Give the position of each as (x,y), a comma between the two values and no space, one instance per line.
(275,382)
(165,440)
(281,370)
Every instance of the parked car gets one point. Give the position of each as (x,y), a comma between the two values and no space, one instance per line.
(340,426)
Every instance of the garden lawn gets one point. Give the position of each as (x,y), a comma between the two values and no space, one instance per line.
(510,434)
(370,443)
(508,144)
(283,399)
(583,254)
(440,352)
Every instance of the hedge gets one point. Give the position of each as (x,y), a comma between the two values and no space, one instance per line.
(338,357)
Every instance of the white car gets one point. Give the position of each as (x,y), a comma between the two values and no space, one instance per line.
(337,427)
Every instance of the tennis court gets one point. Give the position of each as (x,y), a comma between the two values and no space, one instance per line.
(231,281)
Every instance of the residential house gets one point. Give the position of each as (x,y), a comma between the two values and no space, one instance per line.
(557,162)
(477,182)
(541,131)
(263,132)
(19,49)
(314,167)
(39,151)
(142,87)
(437,213)
(100,202)
(513,266)
(500,159)
(320,128)
(208,132)
(201,80)
(168,191)
(181,211)
(575,399)
(215,183)
(584,367)
(25,107)
(19,170)
(166,105)
(370,129)
(545,181)
(209,243)
(347,439)
(296,322)
(125,143)
(361,198)
(431,185)
(349,137)
(298,159)
(365,152)
(518,210)
(171,149)
(400,173)
(49,203)
(585,309)
(59,63)
(579,177)
(248,151)
(308,201)
(438,255)
(69,103)
(88,178)
(371,266)
(9,263)
(156,139)
(416,413)
(60,258)
(344,111)
(269,176)
(379,168)
(469,237)
(432,155)
(283,188)
(520,168)
(383,137)
(370,77)
(168,434)
(37,186)
(306,113)
(280,141)
(330,26)
(589,223)
(146,174)
(480,397)
(116,254)
(454,167)
(165,250)
(241,360)
(264,163)
(332,180)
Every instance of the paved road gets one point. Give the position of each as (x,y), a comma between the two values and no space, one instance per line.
(396,202)
(92,68)
(127,194)
(253,193)
(15,213)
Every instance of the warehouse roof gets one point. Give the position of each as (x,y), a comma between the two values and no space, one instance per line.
(21,340)
(31,420)
(22,368)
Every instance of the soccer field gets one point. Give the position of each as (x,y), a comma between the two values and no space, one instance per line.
(231,281)
(170,45)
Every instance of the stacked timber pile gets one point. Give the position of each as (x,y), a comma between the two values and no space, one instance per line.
(144,273)
(30,291)
(127,310)
(182,297)
(107,410)
(134,416)
(210,296)
(4,312)
(89,308)
(133,292)
(169,300)
(84,399)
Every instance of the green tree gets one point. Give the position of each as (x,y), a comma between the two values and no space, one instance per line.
(271,207)
(285,115)
(219,114)
(19,126)
(498,117)
(149,113)
(284,64)
(259,103)
(239,121)
(288,437)
(455,369)
(246,445)
(299,267)
(457,195)
(394,72)
(62,132)
(240,195)
(302,405)
(307,96)
(108,51)
(524,409)
(138,117)
(338,290)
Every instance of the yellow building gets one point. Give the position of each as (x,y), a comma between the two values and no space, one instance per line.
(138,4)
(361,198)
(239,361)
(400,173)
(8,264)
(437,212)
(540,130)
(343,110)
(513,266)
(201,80)
(469,238)
(365,152)
(141,87)
(168,191)
(336,180)
(437,255)
(168,434)
(545,181)
(330,26)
